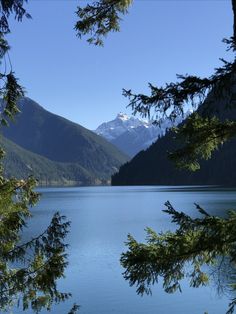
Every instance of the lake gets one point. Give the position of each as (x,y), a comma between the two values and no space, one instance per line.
(101,219)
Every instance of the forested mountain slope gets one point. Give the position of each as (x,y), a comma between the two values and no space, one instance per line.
(62,141)
(21,163)
(153,166)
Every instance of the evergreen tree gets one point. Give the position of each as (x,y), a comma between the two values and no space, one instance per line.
(196,241)
(99,18)
(28,270)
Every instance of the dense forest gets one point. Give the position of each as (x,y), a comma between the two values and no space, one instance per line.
(58,151)
(154,166)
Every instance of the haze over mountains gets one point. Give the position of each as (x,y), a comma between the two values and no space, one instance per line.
(131,134)
(56,150)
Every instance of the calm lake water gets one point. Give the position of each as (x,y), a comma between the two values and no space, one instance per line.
(101,219)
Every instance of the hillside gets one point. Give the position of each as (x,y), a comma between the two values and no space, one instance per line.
(62,141)
(152,166)
(21,163)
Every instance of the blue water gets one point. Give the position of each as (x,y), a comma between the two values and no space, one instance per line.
(101,219)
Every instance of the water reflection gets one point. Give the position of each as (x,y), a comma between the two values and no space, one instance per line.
(223,277)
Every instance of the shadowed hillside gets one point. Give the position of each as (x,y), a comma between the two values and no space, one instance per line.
(62,141)
(153,166)
(21,163)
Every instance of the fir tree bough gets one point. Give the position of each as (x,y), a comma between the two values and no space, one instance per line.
(198,241)
(195,242)
(201,241)
(28,270)
(98,19)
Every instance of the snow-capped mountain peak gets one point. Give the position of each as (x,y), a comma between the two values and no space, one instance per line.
(122,123)
(122,116)
(131,134)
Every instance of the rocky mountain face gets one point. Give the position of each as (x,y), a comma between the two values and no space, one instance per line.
(71,147)
(131,134)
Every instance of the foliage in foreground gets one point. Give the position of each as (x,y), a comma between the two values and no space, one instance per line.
(143,261)
(28,270)
(96,20)
(196,242)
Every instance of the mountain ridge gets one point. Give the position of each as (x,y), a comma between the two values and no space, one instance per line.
(132,135)
(62,141)
(21,164)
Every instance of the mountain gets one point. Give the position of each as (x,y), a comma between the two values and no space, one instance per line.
(62,141)
(130,134)
(152,167)
(21,163)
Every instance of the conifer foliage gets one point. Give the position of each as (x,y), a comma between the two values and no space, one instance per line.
(28,270)
(199,241)
(96,20)
(196,241)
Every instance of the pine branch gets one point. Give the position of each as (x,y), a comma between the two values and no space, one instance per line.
(100,18)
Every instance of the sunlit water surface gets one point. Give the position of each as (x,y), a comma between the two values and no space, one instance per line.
(101,219)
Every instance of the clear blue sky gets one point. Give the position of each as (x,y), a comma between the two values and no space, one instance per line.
(84,83)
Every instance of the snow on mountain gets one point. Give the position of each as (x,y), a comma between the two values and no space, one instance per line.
(131,134)
(122,123)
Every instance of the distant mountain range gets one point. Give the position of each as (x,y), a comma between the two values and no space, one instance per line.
(130,134)
(152,167)
(56,150)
